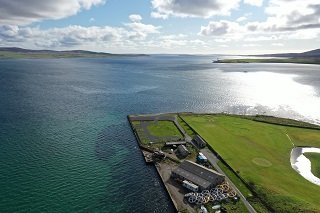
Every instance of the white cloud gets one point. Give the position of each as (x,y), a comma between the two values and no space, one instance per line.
(291,15)
(75,36)
(287,20)
(139,27)
(219,28)
(192,8)
(135,18)
(158,15)
(17,12)
(263,37)
(174,36)
(222,40)
(140,31)
(174,43)
(251,45)
(257,3)
(223,45)
(277,44)
(241,19)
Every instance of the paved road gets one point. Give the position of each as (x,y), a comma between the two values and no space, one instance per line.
(214,161)
(186,136)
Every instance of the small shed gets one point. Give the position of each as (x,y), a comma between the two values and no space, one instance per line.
(198,140)
(182,151)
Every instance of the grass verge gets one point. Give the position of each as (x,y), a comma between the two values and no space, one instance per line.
(315,163)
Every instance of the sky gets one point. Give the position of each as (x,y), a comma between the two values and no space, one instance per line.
(162,26)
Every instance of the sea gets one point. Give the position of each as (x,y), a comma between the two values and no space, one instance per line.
(65,142)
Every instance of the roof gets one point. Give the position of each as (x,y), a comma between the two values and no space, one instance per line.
(201,156)
(190,184)
(183,149)
(175,143)
(197,174)
(199,139)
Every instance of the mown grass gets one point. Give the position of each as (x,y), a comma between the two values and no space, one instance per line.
(240,185)
(156,132)
(238,141)
(164,129)
(279,121)
(315,162)
(254,201)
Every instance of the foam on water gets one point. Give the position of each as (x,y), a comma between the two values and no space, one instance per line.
(302,164)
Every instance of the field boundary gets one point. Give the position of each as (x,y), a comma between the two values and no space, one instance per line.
(231,169)
(259,118)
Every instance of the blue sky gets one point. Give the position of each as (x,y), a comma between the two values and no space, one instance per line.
(162,26)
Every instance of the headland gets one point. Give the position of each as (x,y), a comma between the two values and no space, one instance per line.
(233,163)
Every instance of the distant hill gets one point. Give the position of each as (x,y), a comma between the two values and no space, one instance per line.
(309,57)
(309,54)
(15,52)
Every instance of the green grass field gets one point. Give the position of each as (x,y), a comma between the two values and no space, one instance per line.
(157,132)
(315,162)
(164,129)
(260,153)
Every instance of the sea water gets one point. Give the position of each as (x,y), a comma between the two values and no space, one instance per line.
(65,143)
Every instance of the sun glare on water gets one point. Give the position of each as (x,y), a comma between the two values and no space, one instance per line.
(278,91)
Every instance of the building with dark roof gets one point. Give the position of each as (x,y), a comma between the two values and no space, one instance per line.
(182,151)
(199,141)
(199,175)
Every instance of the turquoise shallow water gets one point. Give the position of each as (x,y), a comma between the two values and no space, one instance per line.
(65,143)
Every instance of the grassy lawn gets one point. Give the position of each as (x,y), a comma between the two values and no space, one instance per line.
(315,162)
(281,121)
(245,191)
(143,138)
(157,132)
(254,201)
(260,153)
(163,129)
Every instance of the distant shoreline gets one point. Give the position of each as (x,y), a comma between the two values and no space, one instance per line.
(271,60)
(19,53)
(10,55)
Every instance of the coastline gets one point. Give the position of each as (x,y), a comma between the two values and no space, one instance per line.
(315,61)
(164,167)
